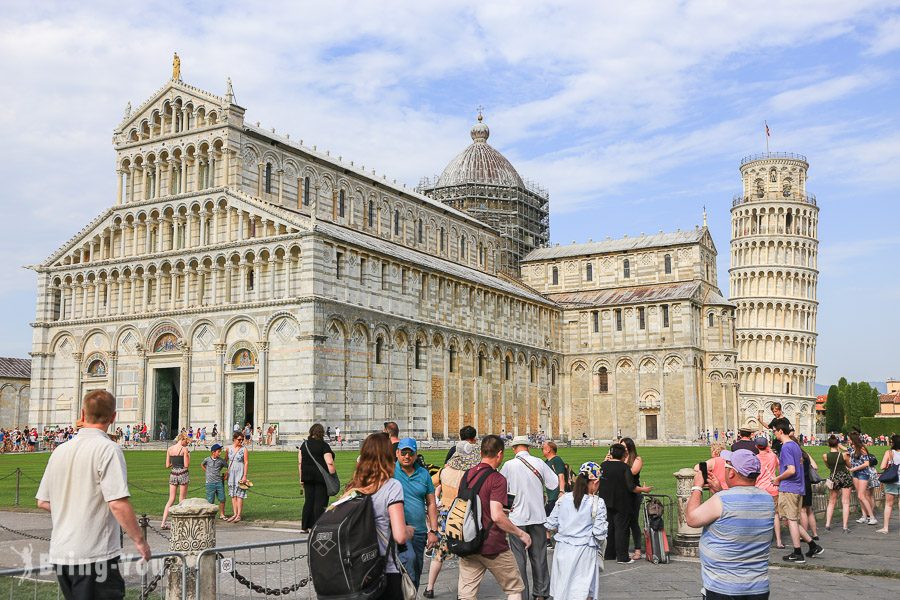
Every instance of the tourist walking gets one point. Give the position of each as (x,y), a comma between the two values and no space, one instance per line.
(737,529)
(556,464)
(768,464)
(494,555)
(527,477)
(579,520)
(636,463)
(314,454)
(790,494)
(178,460)
(466,456)
(374,476)
(841,482)
(616,488)
(419,507)
(85,490)
(891,488)
(238,467)
(860,471)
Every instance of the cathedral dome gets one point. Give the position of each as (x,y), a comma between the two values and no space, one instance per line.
(480,163)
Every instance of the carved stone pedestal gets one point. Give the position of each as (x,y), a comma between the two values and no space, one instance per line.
(687,540)
(193,531)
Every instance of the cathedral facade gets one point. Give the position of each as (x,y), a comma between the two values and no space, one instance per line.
(241,276)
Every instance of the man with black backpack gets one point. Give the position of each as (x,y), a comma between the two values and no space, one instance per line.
(493,553)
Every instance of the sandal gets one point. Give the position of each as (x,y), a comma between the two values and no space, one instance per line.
(238,520)
(779,546)
(165,527)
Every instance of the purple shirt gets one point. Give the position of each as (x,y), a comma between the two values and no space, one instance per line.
(791,455)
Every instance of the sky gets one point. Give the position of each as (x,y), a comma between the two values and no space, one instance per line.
(635,115)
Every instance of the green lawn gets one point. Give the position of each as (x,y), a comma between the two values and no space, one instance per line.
(276,496)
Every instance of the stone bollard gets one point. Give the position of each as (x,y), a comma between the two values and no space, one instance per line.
(193,531)
(687,540)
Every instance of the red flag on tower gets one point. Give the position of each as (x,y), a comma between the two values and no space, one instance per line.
(768,134)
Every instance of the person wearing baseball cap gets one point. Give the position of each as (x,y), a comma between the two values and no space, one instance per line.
(419,506)
(212,465)
(745,440)
(737,529)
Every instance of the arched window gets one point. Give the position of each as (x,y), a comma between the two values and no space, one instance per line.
(250,280)
(379,350)
(396,221)
(341,197)
(553,375)
(603,379)
(773,176)
(462,247)
(306,191)
(421,232)
(668,263)
(451,358)
(506,369)
(371,213)
(418,354)
(595,317)
(443,233)
(642,317)
(268,178)
(481,364)
(626,268)
(532,372)
(710,319)
(480,254)
(589,272)
(555,276)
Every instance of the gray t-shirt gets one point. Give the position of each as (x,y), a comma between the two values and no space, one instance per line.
(390,493)
(214,468)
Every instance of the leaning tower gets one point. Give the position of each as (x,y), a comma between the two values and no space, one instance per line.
(773,277)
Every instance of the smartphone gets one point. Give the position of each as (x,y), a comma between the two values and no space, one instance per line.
(705,472)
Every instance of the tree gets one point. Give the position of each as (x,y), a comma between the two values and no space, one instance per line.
(834,410)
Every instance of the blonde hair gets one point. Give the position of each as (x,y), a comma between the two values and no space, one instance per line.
(715,449)
(181,437)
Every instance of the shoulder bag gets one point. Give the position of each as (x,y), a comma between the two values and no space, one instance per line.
(332,481)
(829,483)
(890,474)
(814,476)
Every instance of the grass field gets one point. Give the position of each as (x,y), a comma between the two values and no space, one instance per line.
(276,491)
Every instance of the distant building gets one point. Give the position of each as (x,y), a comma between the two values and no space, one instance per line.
(890,402)
(15,391)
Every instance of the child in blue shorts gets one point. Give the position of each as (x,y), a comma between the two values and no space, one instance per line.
(215,488)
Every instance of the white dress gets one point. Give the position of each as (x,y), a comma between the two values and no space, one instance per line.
(576,566)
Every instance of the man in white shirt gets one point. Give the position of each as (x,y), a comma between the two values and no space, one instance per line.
(85,489)
(528,476)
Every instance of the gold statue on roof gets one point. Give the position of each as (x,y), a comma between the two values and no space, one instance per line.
(176,68)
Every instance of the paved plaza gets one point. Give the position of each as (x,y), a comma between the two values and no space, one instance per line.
(862,562)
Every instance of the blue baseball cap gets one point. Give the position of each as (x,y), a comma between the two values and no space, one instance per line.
(215,447)
(409,443)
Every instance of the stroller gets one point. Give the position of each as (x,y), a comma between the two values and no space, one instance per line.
(655,540)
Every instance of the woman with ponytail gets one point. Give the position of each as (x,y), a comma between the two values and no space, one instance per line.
(579,520)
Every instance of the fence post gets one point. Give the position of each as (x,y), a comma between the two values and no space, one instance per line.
(144,523)
(687,540)
(18,482)
(193,531)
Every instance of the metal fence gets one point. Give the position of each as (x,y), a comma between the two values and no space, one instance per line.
(143,580)
(256,570)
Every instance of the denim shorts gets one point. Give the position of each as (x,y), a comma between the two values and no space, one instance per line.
(862,475)
(213,490)
(892,488)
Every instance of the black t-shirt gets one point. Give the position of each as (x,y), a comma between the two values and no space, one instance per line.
(745,445)
(616,483)
(450,454)
(776,445)
(314,449)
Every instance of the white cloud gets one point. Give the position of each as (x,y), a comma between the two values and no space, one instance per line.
(823,91)
(886,38)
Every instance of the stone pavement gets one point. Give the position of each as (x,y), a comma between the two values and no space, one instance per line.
(861,563)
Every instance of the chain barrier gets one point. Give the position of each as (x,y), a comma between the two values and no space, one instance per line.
(267,591)
(257,563)
(23,534)
(29,477)
(9,475)
(147,589)
(158,532)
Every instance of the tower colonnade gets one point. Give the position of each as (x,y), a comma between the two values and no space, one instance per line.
(773,280)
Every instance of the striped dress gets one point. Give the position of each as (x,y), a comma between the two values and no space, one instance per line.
(734,549)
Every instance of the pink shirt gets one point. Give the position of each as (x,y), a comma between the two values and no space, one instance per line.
(768,463)
(716,466)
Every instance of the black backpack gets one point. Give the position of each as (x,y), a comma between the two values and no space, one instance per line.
(464,530)
(345,561)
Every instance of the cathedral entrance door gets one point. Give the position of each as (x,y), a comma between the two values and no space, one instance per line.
(650,423)
(242,403)
(167,400)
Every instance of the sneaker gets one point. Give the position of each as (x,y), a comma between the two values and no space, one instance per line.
(795,557)
(845,530)
(815,551)
(862,519)
(872,521)
(626,562)
(828,528)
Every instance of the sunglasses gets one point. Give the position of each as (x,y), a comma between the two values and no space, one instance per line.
(407,453)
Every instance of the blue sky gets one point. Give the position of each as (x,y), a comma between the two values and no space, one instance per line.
(634,115)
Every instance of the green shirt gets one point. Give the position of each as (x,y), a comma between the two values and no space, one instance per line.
(559,467)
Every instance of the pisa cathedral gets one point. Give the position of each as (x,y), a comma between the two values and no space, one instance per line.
(242,276)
